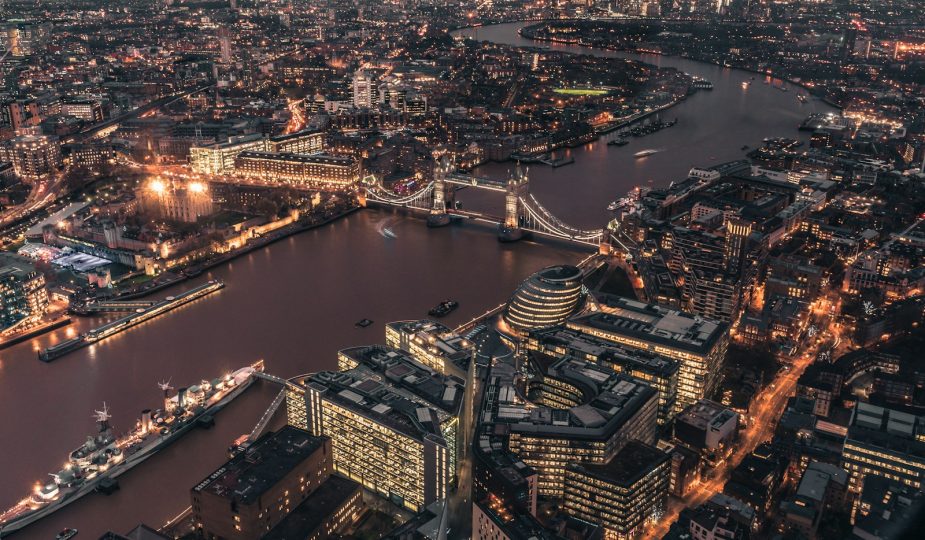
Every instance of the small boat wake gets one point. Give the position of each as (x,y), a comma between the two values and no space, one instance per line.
(384,228)
(647,152)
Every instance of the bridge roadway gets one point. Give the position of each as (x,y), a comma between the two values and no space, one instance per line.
(277,402)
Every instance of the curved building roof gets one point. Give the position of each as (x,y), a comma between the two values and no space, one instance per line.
(547,298)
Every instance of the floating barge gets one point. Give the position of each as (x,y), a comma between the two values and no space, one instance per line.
(120,325)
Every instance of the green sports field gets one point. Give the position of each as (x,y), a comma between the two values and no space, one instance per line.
(581,91)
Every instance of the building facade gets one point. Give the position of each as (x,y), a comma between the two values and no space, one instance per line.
(298,170)
(622,495)
(22,291)
(257,489)
(698,344)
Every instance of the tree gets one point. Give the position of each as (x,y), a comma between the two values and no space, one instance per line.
(75,178)
(267,208)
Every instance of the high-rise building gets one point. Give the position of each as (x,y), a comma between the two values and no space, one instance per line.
(737,232)
(580,413)
(365,90)
(622,495)
(698,344)
(22,291)
(659,372)
(392,421)
(547,298)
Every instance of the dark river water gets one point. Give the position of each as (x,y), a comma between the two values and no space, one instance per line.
(712,128)
(294,304)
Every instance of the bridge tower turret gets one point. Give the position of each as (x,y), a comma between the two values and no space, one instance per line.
(518,185)
(438,216)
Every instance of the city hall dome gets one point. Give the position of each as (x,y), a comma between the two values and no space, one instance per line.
(547,298)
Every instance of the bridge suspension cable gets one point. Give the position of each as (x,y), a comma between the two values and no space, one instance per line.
(554,225)
(377,192)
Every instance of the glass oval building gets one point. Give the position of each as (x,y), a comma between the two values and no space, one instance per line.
(547,298)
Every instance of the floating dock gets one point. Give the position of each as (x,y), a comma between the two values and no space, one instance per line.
(120,325)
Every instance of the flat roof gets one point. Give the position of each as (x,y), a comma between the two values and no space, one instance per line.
(298,158)
(315,509)
(251,473)
(634,461)
(54,219)
(609,400)
(606,351)
(655,324)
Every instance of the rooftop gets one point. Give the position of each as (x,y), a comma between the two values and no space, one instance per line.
(607,351)
(610,399)
(634,461)
(655,324)
(705,413)
(248,475)
(315,509)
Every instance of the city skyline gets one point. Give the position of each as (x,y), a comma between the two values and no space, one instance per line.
(498,270)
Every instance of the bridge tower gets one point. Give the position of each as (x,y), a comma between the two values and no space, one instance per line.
(518,185)
(438,216)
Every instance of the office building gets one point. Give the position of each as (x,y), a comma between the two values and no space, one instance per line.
(545,299)
(433,345)
(492,521)
(299,170)
(22,291)
(307,141)
(254,491)
(706,426)
(88,110)
(885,509)
(698,344)
(886,443)
(657,371)
(24,38)
(709,523)
(756,481)
(365,90)
(393,422)
(219,158)
(579,413)
(622,495)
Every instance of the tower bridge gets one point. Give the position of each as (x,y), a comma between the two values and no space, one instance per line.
(522,212)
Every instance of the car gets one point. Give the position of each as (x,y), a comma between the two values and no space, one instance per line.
(66,533)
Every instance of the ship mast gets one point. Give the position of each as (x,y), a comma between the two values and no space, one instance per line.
(102,418)
(165,386)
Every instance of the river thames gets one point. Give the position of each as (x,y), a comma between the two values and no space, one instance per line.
(294,303)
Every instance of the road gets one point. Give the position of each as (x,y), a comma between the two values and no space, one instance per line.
(769,405)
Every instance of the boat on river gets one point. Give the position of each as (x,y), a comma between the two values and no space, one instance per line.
(103,457)
(646,152)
